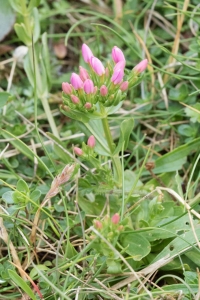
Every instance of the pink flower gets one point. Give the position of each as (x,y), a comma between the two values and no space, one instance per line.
(97,66)
(87,53)
(103,90)
(83,74)
(115,218)
(91,141)
(88,86)
(124,86)
(76,81)
(139,68)
(67,88)
(88,105)
(117,54)
(75,99)
(78,151)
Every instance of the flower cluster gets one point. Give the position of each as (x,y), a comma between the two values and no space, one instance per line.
(105,85)
(110,228)
(88,148)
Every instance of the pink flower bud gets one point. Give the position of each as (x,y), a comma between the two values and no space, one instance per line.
(117,54)
(88,105)
(124,86)
(115,218)
(88,86)
(78,151)
(97,66)
(83,74)
(103,90)
(119,65)
(91,141)
(87,53)
(76,81)
(67,88)
(139,68)
(98,224)
(75,99)
(117,76)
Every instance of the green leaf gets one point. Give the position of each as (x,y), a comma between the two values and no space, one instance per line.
(70,251)
(175,159)
(22,147)
(35,195)
(180,244)
(17,5)
(7,18)
(179,94)
(21,32)
(4,96)
(172,229)
(193,112)
(76,115)
(45,58)
(36,30)
(22,186)
(32,4)
(8,197)
(188,130)
(135,245)
(129,180)
(34,271)
(22,284)
(125,131)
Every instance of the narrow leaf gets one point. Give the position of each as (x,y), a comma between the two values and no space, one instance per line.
(22,284)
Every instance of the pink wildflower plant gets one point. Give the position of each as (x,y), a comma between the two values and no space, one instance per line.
(106,84)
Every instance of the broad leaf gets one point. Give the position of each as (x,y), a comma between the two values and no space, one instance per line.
(175,159)
(4,96)
(126,128)
(135,245)
(7,18)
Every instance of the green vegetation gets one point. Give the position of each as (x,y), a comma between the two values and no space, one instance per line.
(99,191)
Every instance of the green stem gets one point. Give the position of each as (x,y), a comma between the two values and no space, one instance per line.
(115,159)
(40,89)
(50,118)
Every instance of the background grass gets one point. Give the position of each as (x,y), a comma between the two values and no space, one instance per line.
(67,257)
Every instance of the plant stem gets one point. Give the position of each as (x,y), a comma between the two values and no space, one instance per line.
(50,118)
(115,158)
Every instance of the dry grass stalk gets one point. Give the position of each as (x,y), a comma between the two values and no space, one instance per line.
(180,19)
(54,190)
(4,236)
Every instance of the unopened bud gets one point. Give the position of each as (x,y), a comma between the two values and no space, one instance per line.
(78,151)
(83,74)
(124,86)
(88,105)
(98,224)
(117,54)
(139,68)
(103,90)
(67,88)
(91,141)
(75,99)
(115,218)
